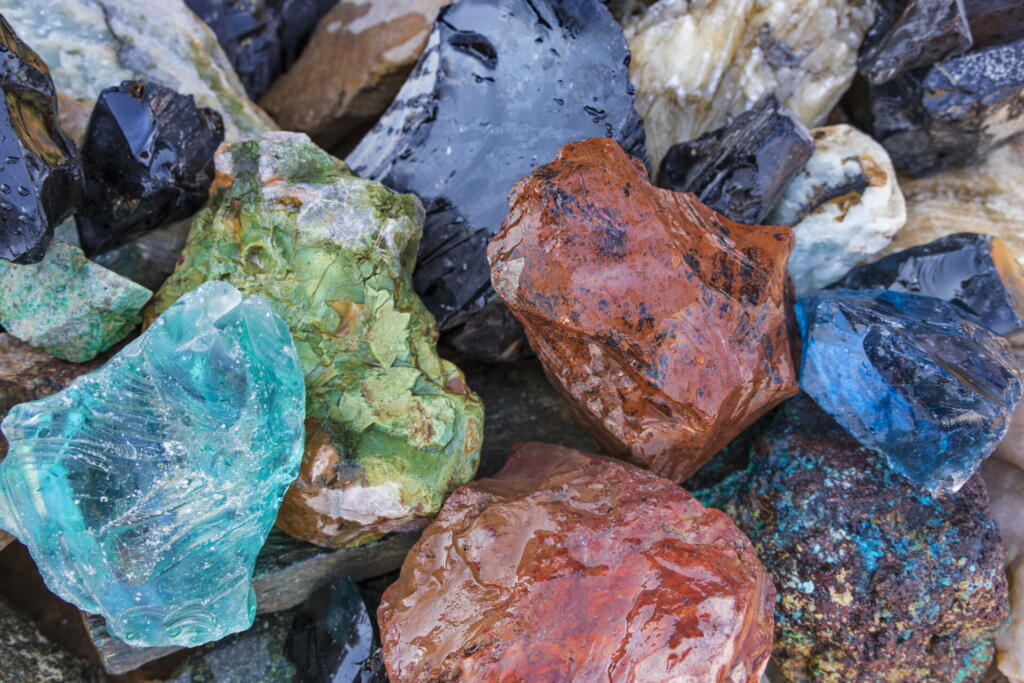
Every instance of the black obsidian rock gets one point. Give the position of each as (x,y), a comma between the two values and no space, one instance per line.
(742,169)
(40,174)
(148,160)
(501,86)
(995,22)
(908,34)
(976,273)
(332,638)
(262,38)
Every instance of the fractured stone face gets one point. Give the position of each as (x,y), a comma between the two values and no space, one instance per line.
(908,34)
(550,569)
(664,324)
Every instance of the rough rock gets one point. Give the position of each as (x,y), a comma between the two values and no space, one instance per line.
(564,553)
(148,161)
(353,67)
(67,305)
(41,175)
(844,207)
(127,40)
(391,427)
(908,34)
(995,22)
(530,76)
(256,655)
(27,655)
(164,470)
(696,63)
(151,259)
(909,378)
(976,273)
(877,581)
(1011,448)
(665,325)
(741,170)
(261,38)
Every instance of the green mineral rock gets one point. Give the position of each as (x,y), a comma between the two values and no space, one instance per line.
(391,427)
(70,307)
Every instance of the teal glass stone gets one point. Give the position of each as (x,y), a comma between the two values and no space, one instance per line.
(145,489)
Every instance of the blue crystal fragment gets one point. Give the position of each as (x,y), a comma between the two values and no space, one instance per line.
(145,489)
(909,378)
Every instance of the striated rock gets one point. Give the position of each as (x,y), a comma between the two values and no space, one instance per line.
(662,323)
(995,22)
(909,378)
(976,273)
(67,305)
(353,67)
(908,34)
(41,175)
(145,489)
(742,169)
(391,427)
(27,655)
(529,76)
(148,161)
(549,571)
(253,655)
(127,40)
(262,38)
(696,63)
(844,207)
(876,581)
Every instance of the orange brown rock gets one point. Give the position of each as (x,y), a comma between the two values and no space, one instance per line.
(572,567)
(666,326)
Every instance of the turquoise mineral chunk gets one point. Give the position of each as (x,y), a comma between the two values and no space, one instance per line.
(145,489)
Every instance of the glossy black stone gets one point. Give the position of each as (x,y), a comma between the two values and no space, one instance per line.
(742,169)
(995,22)
(148,161)
(332,638)
(501,86)
(40,174)
(976,273)
(908,34)
(262,38)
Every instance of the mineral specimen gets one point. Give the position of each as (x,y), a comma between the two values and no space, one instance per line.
(908,34)
(567,566)
(1011,448)
(844,207)
(910,378)
(501,86)
(953,113)
(662,323)
(262,38)
(90,45)
(255,656)
(742,169)
(995,22)
(392,428)
(148,161)
(696,63)
(877,581)
(40,179)
(27,655)
(352,68)
(151,259)
(146,488)
(67,305)
(976,273)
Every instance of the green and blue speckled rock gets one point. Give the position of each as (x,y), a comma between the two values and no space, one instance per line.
(70,307)
(391,427)
(877,581)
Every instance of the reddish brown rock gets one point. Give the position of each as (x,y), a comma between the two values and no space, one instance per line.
(572,567)
(664,324)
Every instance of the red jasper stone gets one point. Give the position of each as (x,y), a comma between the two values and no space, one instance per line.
(573,567)
(665,325)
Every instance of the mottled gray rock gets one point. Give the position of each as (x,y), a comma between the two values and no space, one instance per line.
(26,656)
(253,656)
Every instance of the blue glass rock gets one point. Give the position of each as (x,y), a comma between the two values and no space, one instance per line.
(145,489)
(909,378)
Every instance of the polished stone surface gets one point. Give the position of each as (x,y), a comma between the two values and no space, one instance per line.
(501,86)
(908,34)
(665,325)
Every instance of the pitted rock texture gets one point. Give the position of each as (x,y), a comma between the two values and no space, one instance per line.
(665,325)
(568,566)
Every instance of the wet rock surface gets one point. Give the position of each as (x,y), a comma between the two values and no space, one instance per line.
(869,589)
(525,576)
(501,67)
(663,324)
(148,161)
(908,34)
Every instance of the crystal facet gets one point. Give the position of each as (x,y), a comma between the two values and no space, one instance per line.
(145,489)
